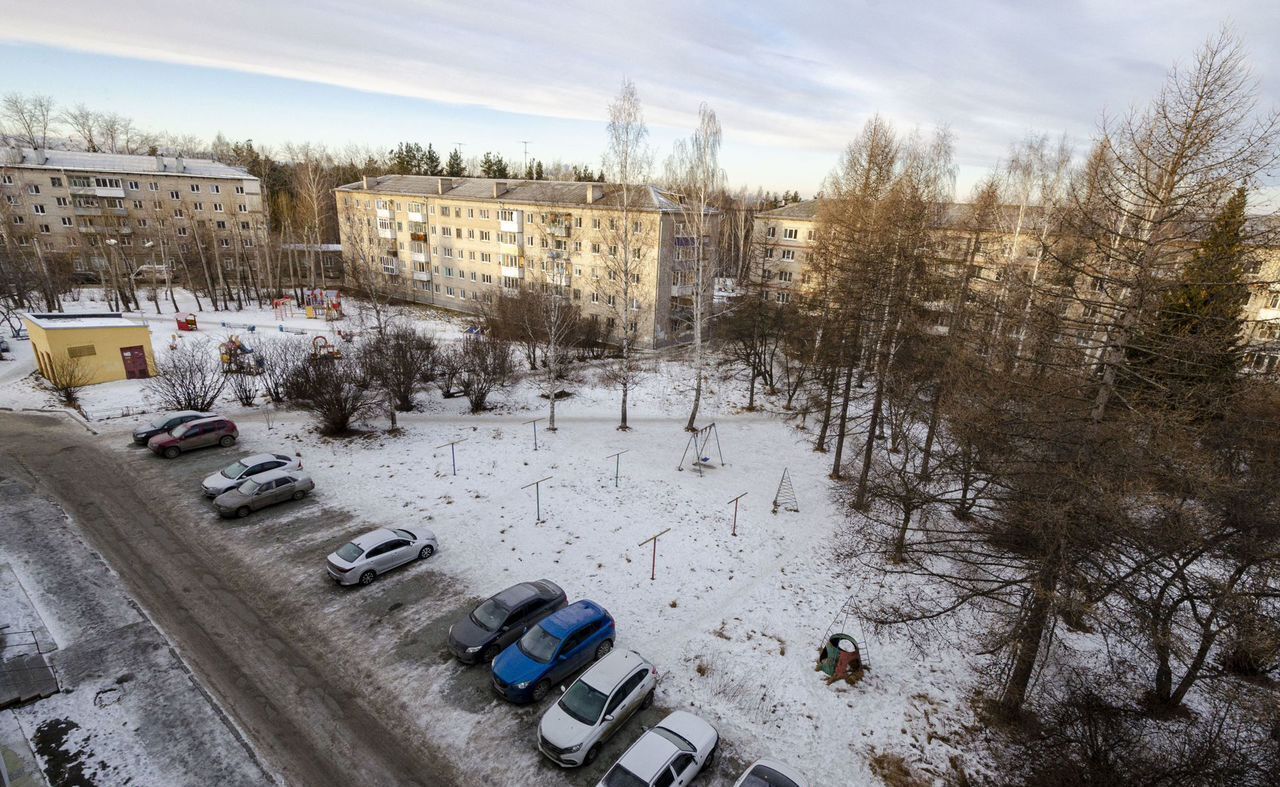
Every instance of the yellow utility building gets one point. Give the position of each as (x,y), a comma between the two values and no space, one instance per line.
(104,345)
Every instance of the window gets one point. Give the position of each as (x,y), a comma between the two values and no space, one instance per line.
(768,253)
(82,351)
(38,210)
(80,182)
(137,204)
(6,180)
(133,185)
(809,236)
(788,254)
(506,215)
(239,189)
(174,195)
(66,221)
(471,213)
(784,275)
(595,224)
(214,189)
(247,243)
(790,234)
(195,188)
(33,189)
(62,202)
(19,220)
(484,213)
(243,208)
(198,206)
(182,232)
(485,235)
(613,250)
(178,213)
(217,207)
(44,229)
(222,225)
(153,186)
(771,232)
(244,225)
(783,297)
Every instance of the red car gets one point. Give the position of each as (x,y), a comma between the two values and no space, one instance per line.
(202,433)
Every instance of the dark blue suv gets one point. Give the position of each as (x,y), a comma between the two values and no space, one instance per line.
(557,647)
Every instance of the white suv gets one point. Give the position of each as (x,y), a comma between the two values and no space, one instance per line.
(670,754)
(595,707)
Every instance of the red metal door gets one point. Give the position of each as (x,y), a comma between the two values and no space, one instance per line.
(135,362)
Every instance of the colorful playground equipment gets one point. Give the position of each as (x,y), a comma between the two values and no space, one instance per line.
(323,349)
(283,307)
(186,321)
(238,357)
(323,303)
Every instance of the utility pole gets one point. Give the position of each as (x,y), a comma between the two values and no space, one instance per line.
(525,142)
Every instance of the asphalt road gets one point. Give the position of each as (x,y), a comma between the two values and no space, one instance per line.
(285,695)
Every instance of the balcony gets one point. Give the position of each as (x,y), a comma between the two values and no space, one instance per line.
(420,237)
(418,217)
(509,226)
(384,213)
(418,256)
(391,270)
(386,234)
(108,192)
(115,211)
(558,229)
(86,211)
(513,271)
(422,275)
(681,290)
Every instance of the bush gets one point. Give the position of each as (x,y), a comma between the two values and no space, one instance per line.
(486,364)
(67,377)
(336,391)
(189,377)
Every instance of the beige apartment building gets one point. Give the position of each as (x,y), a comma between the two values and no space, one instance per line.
(106,208)
(461,243)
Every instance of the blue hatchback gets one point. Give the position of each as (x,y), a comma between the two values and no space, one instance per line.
(557,647)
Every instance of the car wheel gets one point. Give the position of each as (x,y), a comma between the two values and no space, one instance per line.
(171,453)
(242,511)
(426,552)
(647,702)
(711,756)
(490,653)
(227,441)
(367,577)
(299,495)
(603,649)
(540,690)
(592,753)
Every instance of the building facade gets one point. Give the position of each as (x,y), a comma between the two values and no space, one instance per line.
(104,209)
(462,243)
(103,347)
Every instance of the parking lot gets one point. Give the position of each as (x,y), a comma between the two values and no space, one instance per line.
(366,663)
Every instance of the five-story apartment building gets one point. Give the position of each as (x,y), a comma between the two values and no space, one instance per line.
(462,243)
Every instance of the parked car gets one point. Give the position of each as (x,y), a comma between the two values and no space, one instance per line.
(379,551)
(503,618)
(4,345)
(200,433)
(166,422)
(558,646)
(264,489)
(595,707)
(771,773)
(669,754)
(233,475)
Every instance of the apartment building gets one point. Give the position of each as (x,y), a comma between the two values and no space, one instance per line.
(461,243)
(105,208)
(784,238)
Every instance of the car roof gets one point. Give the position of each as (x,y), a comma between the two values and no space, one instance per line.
(516,594)
(572,617)
(373,538)
(648,754)
(253,459)
(207,420)
(608,672)
(180,413)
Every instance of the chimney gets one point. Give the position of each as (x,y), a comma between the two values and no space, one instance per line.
(42,156)
(159,163)
(177,164)
(595,191)
(443,185)
(499,188)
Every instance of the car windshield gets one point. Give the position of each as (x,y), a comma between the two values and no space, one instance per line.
(179,431)
(583,702)
(489,615)
(764,776)
(350,553)
(621,777)
(538,644)
(249,487)
(405,534)
(161,421)
(235,470)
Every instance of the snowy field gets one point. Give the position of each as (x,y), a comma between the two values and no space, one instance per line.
(732,622)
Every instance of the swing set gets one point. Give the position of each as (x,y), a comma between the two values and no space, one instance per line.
(699,441)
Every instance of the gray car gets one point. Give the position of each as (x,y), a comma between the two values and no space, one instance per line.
(379,551)
(264,489)
(247,467)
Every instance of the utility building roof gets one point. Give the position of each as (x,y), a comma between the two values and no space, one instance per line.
(63,320)
(124,164)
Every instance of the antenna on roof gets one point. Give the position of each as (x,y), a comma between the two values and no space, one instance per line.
(525,166)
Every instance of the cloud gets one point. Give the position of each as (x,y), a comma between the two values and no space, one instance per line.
(800,77)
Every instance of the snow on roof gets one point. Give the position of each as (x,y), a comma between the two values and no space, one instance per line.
(806,209)
(28,158)
(541,192)
(62,320)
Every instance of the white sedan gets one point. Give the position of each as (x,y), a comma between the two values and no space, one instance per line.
(669,754)
(379,551)
(595,707)
(234,475)
(771,773)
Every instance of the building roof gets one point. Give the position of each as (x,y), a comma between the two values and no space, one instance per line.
(66,320)
(805,209)
(537,192)
(28,158)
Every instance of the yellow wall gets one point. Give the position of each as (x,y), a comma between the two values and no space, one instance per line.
(105,364)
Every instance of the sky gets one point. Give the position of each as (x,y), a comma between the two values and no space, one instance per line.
(791,83)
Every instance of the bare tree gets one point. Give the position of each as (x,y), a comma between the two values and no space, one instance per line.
(27,119)
(557,317)
(67,376)
(631,235)
(280,357)
(336,391)
(84,124)
(188,377)
(400,363)
(486,363)
(693,170)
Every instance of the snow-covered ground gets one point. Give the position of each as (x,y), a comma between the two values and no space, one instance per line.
(733,623)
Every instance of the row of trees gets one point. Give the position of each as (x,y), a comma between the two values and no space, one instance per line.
(1070,453)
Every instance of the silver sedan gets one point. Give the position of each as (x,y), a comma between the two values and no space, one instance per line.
(251,466)
(265,489)
(374,553)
